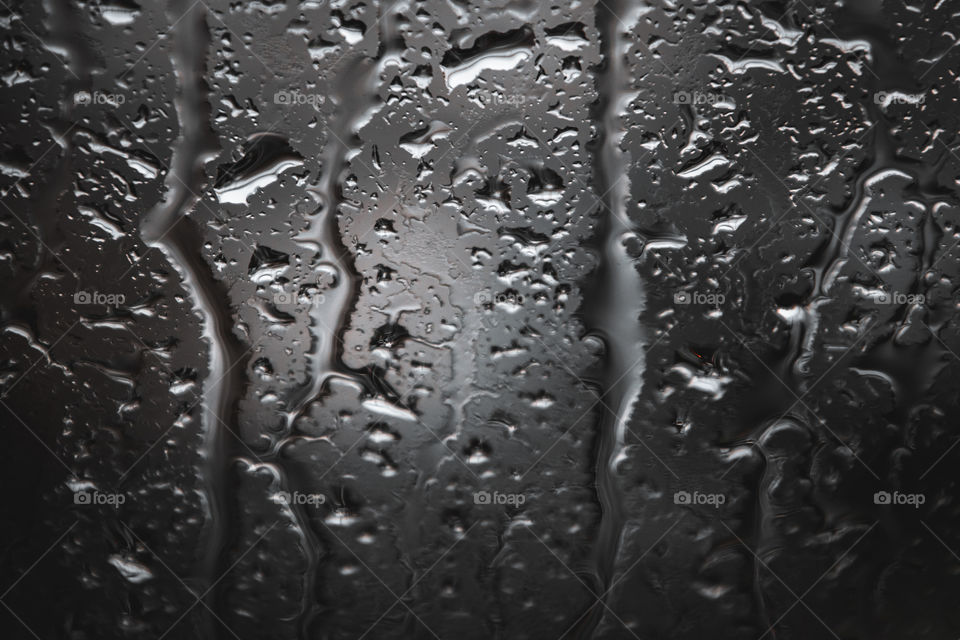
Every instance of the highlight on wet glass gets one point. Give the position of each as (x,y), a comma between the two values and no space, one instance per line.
(474,319)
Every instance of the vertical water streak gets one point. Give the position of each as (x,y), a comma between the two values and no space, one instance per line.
(616,312)
(168,229)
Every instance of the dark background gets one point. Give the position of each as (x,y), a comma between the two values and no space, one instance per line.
(590,258)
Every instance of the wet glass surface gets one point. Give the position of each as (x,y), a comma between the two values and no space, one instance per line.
(472,320)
